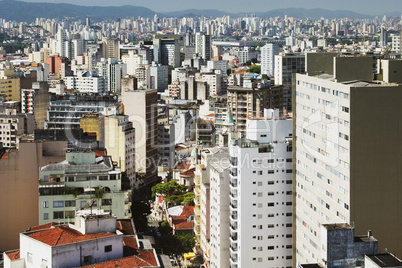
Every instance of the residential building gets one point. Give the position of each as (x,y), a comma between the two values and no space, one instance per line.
(65,111)
(10,85)
(382,260)
(101,240)
(261,194)
(285,67)
(158,77)
(339,177)
(20,177)
(87,82)
(203,45)
(141,107)
(114,71)
(118,139)
(268,53)
(36,101)
(219,216)
(251,99)
(83,181)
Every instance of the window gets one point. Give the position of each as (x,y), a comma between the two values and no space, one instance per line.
(70,214)
(58,214)
(271,225)
(271,237)
(271,204)
(87,259)
(271,248)
(45,216)
(30,257)
(70,203)
(106,202)
(259,172)
(103,178)
(108,248)
(271,182)
(271,215)
(271,171)
(289,236)
(288,257)
(271,193)
(259,183)
(271,258)
(58,204)
(288,171)
(45,204)
(289,182)
(43,263)
(83,204)
(259,194)
(288,203)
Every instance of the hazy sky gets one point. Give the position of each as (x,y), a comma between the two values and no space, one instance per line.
(371,7)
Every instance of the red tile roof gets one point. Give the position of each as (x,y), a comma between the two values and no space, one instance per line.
(184,225)
(189,172)
(99,153)
(43,226)
(5,156)
(125,227)
(15,255)
(144,259)
(64,235)
(137,258)
(178,219)
(187,211)
(185,165)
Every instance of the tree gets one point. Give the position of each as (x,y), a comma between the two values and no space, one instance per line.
(169,188)
(186,242)
(254,69)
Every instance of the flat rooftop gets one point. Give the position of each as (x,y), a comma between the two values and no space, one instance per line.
(385,260)
(338,226)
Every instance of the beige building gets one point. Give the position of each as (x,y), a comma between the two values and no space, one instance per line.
(250,100)
(141,107)
(19,181)
(10,85)
(347,153)
(119,142)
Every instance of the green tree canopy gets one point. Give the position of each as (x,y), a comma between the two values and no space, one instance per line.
(254,69)
(169,188)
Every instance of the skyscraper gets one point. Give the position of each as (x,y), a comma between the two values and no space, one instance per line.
(347,152)
(203,45)
(261,194)
(268,53)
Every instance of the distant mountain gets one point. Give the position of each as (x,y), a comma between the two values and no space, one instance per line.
(24,11)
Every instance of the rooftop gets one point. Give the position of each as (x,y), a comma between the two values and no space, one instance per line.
(103,163)
(333,226)
(63,235)
(385,260)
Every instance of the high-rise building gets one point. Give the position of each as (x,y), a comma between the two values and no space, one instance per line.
(36,101)
(341,117)
(203,45)
(167,51)
(268,53)
(113,70)
(118,138)
(158,77)
(251,99)
(261,194)
(141,107)
(285,66)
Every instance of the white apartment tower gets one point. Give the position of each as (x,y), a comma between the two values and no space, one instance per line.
(347,152)
(203,45)
(268,53)
(261,194)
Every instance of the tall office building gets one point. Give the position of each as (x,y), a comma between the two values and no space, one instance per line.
(167,51)
(268,53)
(285,66)
(261,194)
(347,152)
(203,45)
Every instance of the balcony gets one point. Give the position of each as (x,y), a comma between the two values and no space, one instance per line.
(234,215)
(233,226)
(233,247)
(233,204)
(233,182)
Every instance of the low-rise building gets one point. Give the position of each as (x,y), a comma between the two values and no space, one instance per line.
(81,182)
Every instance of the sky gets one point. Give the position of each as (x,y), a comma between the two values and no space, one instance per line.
(370,7)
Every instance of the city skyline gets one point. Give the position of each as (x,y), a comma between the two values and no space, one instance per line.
(368,7)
